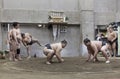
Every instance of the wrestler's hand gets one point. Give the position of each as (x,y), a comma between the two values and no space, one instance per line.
(92,60)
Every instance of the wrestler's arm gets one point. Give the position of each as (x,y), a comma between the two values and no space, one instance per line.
(8,37)
(89,55)
(19,32)
(115,36)
(14,35)
(30,35)
(24,43)
(95,51)
(57,53)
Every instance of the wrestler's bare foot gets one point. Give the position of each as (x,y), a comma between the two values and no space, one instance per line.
(20,59)
(48,63)
(15,59)
(51,61)
(62,60)
(28,57)
(10,59)
(107,62)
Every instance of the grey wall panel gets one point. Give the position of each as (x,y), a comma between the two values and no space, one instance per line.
(45,36)
(64,5)
(27,4)
(35,16)
(42,4)
(104,18)
(24,16)
(105,11)
(105,5)
(86,4)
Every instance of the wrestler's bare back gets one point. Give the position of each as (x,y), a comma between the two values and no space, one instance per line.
(27,38)
(95,44)
(56,46)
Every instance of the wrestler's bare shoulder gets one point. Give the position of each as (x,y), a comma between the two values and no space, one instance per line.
(56,45)
(96,43)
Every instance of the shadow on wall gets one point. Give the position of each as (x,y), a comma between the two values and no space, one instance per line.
(84,51)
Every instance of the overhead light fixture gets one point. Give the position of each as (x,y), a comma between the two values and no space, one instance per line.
(39,25)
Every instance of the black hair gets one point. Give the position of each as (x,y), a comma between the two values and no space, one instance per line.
(64,42)
(102,35)
(15,24)
(22,35)
(111,28)
(86,40)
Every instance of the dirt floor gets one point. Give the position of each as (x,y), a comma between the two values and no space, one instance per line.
(71,68)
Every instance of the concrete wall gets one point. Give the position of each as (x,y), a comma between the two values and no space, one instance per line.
(1,5)
(88,13)
(118,10)
(105,11)
(87,18)
(87,22)
(45,36)
(0,37)
(31,12)
(72,5)
(37,11)
(0,24)
(35,16)
(4,32)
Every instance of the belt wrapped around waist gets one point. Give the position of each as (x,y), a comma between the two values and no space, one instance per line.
(48,46)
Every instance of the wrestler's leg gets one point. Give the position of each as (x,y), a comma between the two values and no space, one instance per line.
(14,55)
(96,59)
(49,57)
(10,55)
(28,51)
(114,48)
(111,49)
(49,53)
(36,41)
(12,52)
(18,56)
(104,52)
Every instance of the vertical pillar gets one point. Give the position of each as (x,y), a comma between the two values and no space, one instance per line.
(0,37)
(118,40)
(1,5)
(87,18)
(87,23)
